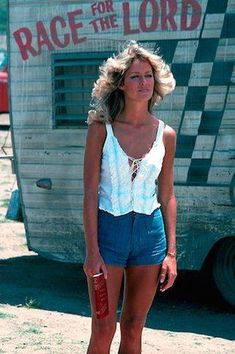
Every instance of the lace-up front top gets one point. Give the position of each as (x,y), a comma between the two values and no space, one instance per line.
(129,184)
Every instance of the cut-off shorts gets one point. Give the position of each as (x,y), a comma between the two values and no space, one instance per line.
(132,238)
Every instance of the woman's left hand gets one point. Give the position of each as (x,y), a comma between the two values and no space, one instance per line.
(168,272)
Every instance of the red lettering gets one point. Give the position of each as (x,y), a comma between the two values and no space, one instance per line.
(143,16)
(195,17)
(109,5)
(54,34)
(113,21)
(168,17)
(74,26)
(27,46)
(42,37)
(105,23)
(101,7)
(95,25)
(126,19)
(94,8)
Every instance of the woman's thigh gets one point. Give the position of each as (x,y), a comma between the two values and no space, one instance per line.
(114,282)
(139,290)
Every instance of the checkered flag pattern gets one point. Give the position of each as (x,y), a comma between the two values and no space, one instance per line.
(204,100)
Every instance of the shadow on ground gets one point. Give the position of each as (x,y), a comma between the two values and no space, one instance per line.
(191,306)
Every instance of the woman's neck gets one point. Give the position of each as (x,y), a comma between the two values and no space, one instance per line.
(135,115)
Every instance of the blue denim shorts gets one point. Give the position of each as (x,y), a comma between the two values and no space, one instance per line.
(132,238)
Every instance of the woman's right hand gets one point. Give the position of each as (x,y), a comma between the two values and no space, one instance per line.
(94,264)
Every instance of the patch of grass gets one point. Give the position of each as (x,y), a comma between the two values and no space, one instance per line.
(4,182)
(6,315)
(59,338)
(5,340)
(32,329)
(32,303)
(23,246)
(3,219)
(198,343)
(4,202)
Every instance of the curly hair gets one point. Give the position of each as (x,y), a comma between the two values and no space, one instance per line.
(108,99)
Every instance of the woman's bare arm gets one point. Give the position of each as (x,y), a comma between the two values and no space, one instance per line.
(167,199)
(91,177)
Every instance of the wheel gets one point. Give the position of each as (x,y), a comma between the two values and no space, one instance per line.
(224,270)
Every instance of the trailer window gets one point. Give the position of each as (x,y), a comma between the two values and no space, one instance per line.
(73,76)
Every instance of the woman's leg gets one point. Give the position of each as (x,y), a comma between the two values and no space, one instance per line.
(104,329)
(140,287)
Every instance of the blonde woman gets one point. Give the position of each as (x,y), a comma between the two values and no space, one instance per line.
(129,202)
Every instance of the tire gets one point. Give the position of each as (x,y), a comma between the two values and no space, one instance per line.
(224,270)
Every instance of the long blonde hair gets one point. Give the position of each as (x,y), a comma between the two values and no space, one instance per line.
(108,99)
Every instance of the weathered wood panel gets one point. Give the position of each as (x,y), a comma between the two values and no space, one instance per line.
(60,156)
(60,186)
(31,120)
(52,216)
(174,101)
(51,171)
(215,98)
(206,198)
(53,200)
(201,110)
(230,104)
(225,50)
(50,139)
(64,247)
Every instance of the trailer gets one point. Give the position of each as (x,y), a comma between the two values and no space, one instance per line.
(55,50)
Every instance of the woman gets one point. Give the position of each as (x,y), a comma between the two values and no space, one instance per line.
(129,202)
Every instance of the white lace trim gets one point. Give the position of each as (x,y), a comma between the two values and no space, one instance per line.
(127,175)
(134,167)
(119,176)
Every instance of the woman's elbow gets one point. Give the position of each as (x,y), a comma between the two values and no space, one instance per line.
(164,200)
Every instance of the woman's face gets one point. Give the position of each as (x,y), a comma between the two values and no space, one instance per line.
(138,81)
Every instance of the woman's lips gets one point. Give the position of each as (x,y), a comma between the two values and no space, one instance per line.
(144,90)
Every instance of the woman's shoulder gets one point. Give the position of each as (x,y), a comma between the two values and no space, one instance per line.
(169,134)
(169,137)
(168,131)
(96,127)
(95,116)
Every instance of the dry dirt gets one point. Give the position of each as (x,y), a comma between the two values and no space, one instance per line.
(44,305)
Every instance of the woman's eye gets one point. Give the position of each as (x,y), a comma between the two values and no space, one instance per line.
(146,76)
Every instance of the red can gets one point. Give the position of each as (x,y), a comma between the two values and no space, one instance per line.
(101,296)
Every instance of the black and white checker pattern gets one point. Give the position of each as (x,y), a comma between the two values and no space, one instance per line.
(205,75)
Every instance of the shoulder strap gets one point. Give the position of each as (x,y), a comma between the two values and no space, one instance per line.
(109,129)
(160,130)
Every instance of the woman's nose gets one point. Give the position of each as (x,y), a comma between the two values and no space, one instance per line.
(142,80)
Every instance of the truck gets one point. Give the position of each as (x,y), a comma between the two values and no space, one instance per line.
(55,50)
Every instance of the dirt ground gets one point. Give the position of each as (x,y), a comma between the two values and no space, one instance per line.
(44,305)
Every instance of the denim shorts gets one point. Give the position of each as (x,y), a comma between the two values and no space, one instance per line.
(132,238)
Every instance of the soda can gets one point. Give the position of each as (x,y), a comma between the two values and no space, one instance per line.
(101,295)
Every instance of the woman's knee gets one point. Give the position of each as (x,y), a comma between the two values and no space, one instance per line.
(132,326)
(104,328)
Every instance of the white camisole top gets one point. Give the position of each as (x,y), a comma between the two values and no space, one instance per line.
(129,184)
